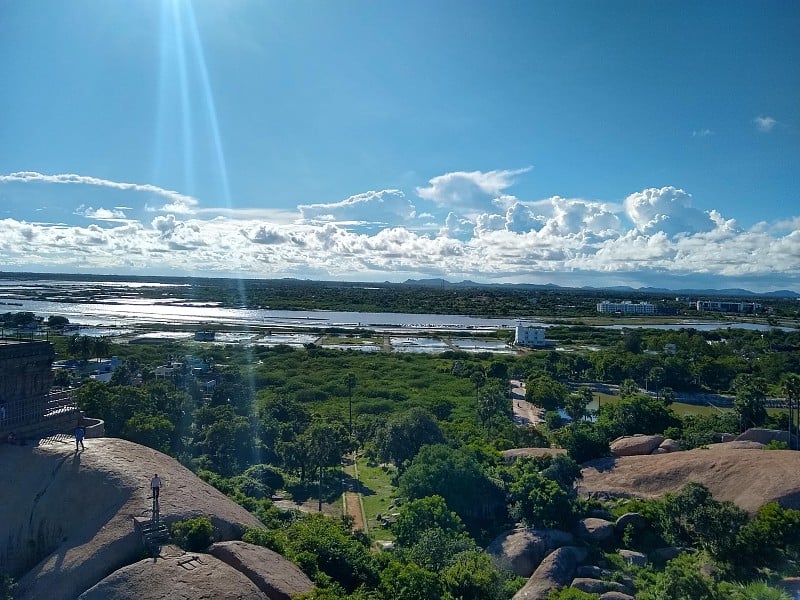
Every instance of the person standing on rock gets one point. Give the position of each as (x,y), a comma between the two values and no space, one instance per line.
(155,486)
(80,432)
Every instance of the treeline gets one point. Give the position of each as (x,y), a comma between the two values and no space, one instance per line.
(464,299)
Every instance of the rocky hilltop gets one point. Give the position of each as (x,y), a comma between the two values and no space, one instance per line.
(746,475)
(69,524)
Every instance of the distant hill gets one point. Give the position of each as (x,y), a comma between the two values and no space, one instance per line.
(726,292)
(436,282)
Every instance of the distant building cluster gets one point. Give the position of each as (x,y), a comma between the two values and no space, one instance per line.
(533,337)
(745,308)
(626,307)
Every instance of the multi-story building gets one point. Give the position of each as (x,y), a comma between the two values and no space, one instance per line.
(530,336)
(626,308)
(747,308)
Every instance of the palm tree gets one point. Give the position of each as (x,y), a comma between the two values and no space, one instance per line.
(351,382)
(791,388)
(478,378)
(100,346)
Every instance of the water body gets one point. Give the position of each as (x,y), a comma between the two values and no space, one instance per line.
(123,311)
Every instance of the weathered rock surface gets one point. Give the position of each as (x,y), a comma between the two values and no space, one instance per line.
(277,577)
(670,445)
(763,436)
(192,577)
(514,453)
(522,550)
(581,553)
(662,555)
(596,586)
(633,557)
(616,596)
(633,519)
(590,571)
(556,570)
(635,445)
(738,445)
(68,519)
(595,531)
(748,478)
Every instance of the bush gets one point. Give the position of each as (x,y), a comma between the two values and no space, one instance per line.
(193,535)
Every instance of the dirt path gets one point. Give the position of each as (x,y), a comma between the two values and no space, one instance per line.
(525,413)
(352,496)
(352,502)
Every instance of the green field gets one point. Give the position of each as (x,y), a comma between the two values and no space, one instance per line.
(377,493)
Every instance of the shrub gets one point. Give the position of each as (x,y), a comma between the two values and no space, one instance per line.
(193,535)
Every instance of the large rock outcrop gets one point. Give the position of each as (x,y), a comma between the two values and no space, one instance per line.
(634,445)
(748,477)
(229,570)
(556,570)
(763,436)
(278,578)
(68,518)
(194,577)
(522,550)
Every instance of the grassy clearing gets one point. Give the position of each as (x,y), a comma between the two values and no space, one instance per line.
(377,494)
(681,408)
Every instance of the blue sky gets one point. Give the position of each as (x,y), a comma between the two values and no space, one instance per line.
(572,142)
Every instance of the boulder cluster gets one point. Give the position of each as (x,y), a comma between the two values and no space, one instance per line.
(553,559)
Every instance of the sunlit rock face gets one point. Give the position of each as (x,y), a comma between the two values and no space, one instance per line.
(68,518)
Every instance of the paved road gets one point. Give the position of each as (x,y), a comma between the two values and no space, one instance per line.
(525,413)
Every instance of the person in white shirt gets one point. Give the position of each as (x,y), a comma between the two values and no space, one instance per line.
(155,485)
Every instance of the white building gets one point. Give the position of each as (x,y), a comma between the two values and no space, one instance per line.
(626,308)
(529,336)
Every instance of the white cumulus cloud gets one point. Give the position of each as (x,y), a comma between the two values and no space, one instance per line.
(764,123)
(385,206)
(468,191)
(100,214)
(666,209)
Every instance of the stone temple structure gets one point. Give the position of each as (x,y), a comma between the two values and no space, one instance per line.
(28,407)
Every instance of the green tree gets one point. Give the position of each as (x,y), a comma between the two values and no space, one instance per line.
(791,390)
(655,379)
(478,378)
(404,434)
(682,579)
(492,402)
(351,383)
(540,502)
(751,393)
(769,539)
(153,431)
(628,389)
(409,582)
(100,347)
(546,392)
(57,322)
(582,441)
(457,477)
(693,518)
(635,414)
(575,404)
(319,543)
(421,514)
(473,575)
